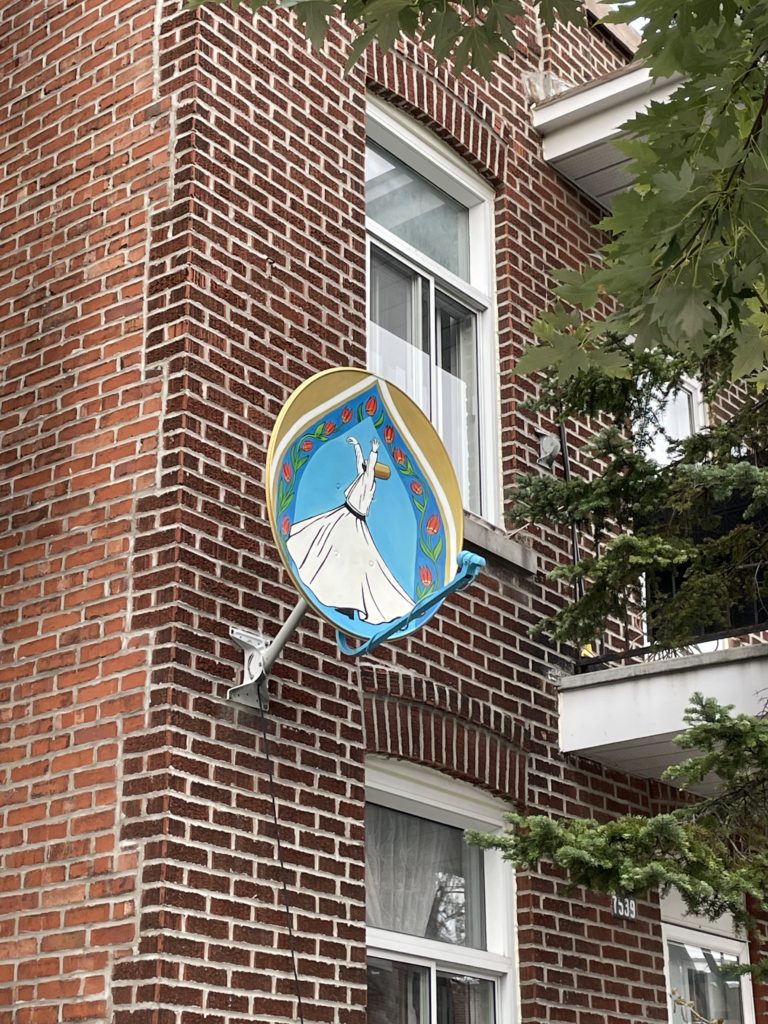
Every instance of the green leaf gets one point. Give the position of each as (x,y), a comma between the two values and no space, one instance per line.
(563,10)
(751,352)
(612,364)
(579,288)
(674,186)
(314,16)
(359,45)
(680,309)
(535,357)
(694,318)
(571,359)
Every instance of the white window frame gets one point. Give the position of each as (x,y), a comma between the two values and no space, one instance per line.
(699,408)
(420,150)
(719,936)
(428,794)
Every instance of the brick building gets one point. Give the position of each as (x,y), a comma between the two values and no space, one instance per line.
(184,241)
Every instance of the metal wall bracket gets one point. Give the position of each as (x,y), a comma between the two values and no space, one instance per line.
(253,690)
(259,655)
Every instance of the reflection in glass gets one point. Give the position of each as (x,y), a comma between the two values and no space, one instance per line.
(464,1000)
(457,395)
(413,209)
(398,346)
(397,993)
(423,879)
(696,974)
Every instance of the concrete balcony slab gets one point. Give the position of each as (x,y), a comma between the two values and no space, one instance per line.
(628,717)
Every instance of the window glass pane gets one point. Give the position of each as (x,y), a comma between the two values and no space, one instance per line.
(676,418)
(397,993)
(457,394)
(464,1000)
(423,879)
(696,975)
(398,344)
(416,211)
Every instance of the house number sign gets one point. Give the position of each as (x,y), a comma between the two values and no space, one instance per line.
(624,907)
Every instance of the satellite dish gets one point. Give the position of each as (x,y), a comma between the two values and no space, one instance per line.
(364,504)
(367,516)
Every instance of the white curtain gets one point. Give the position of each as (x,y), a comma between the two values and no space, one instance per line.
(406,366)
(403,858)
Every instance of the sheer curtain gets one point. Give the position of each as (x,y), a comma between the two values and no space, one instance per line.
(404,855)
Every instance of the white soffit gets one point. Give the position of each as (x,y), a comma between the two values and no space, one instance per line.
(627,717)
(579,127)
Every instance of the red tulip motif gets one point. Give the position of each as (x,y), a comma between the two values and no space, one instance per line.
(371,405)
(346,414)
(330,426)
(425,575)
(307,445)
(399,456)
(433,525)
(287,472)
(389,434)
(416,487)
(286,525)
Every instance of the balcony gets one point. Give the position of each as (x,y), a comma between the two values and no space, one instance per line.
(580,126)
(628,717)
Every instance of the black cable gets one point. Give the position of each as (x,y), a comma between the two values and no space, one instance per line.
(575,552)
(286,898)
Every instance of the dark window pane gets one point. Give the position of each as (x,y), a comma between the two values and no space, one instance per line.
(464,1000)
(397,993)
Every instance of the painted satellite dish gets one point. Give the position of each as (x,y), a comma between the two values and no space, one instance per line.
(364,503)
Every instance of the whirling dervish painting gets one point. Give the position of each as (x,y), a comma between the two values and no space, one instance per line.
(364,504)
(337,557)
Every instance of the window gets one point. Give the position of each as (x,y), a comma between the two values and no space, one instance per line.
(699,975)
(430,307)
(698,954)
(439,912)
(681,416)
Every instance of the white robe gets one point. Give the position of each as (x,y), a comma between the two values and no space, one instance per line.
(337,559)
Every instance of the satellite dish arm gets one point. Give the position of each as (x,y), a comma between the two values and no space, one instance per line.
(470,566)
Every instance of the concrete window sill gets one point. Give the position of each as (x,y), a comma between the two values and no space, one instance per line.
(490,540)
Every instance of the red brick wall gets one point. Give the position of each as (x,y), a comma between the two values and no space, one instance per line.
(85,165)
(248,292)
(186,195)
